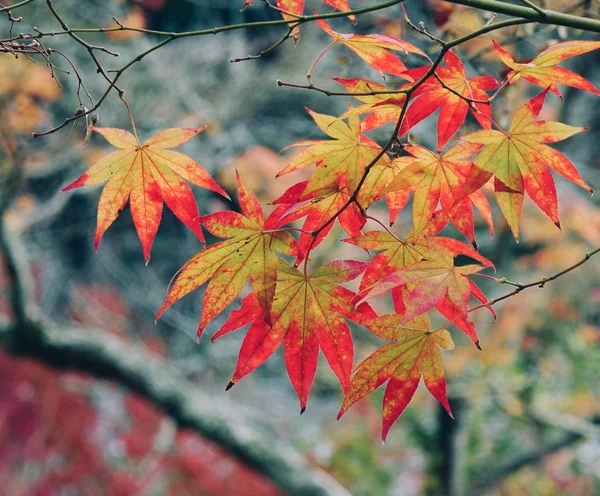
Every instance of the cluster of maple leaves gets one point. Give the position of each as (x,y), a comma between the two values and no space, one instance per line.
(307,311)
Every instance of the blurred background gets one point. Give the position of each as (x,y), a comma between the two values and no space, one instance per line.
(527,407)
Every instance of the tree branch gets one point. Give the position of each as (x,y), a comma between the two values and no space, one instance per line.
(447,471)
(15,6)
(106,357)
(490,477)
(523,15)
(548,17)
(17,275)
(12,254)
(539,283)
(513,39)
(297,20)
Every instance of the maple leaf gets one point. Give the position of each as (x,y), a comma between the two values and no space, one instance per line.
(452,309)
(318,207)
(342,6)
(542,70)
(346,155)
(438,179)
(382,108)
(146,174)
(395,254)
(374,49)
(398,255)
(414,353)
(249,253)
(432,281)
(461,215)
(519,160)
(295,8)
(308,314)
(431,96)
(372,189)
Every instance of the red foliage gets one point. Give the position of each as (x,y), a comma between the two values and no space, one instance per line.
(53,438)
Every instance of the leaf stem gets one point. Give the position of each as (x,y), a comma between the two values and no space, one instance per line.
(130,117)
(310,69)
(376,220)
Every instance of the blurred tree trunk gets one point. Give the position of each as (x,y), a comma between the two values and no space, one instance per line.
(446,467)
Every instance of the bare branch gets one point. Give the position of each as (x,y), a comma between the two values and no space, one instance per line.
(539,283)
(339,93)
(15,6)
(262,53)
(547,17)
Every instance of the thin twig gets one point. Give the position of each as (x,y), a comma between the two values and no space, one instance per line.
(421,28)
(262,53)
(174,36)
(339,93)
(539,283)
(15,6)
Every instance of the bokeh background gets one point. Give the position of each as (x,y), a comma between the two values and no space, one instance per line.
(527,407)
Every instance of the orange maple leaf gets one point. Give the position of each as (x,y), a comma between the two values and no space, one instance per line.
(308,314)
(248,253)
(542,70)
(519,161)
(374,49)
(347,154)
(318,207)
(432,95)
(431,281)
(373,187)
(396,255)
(382,108)
(147,174)
(439,179)
(414,353)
